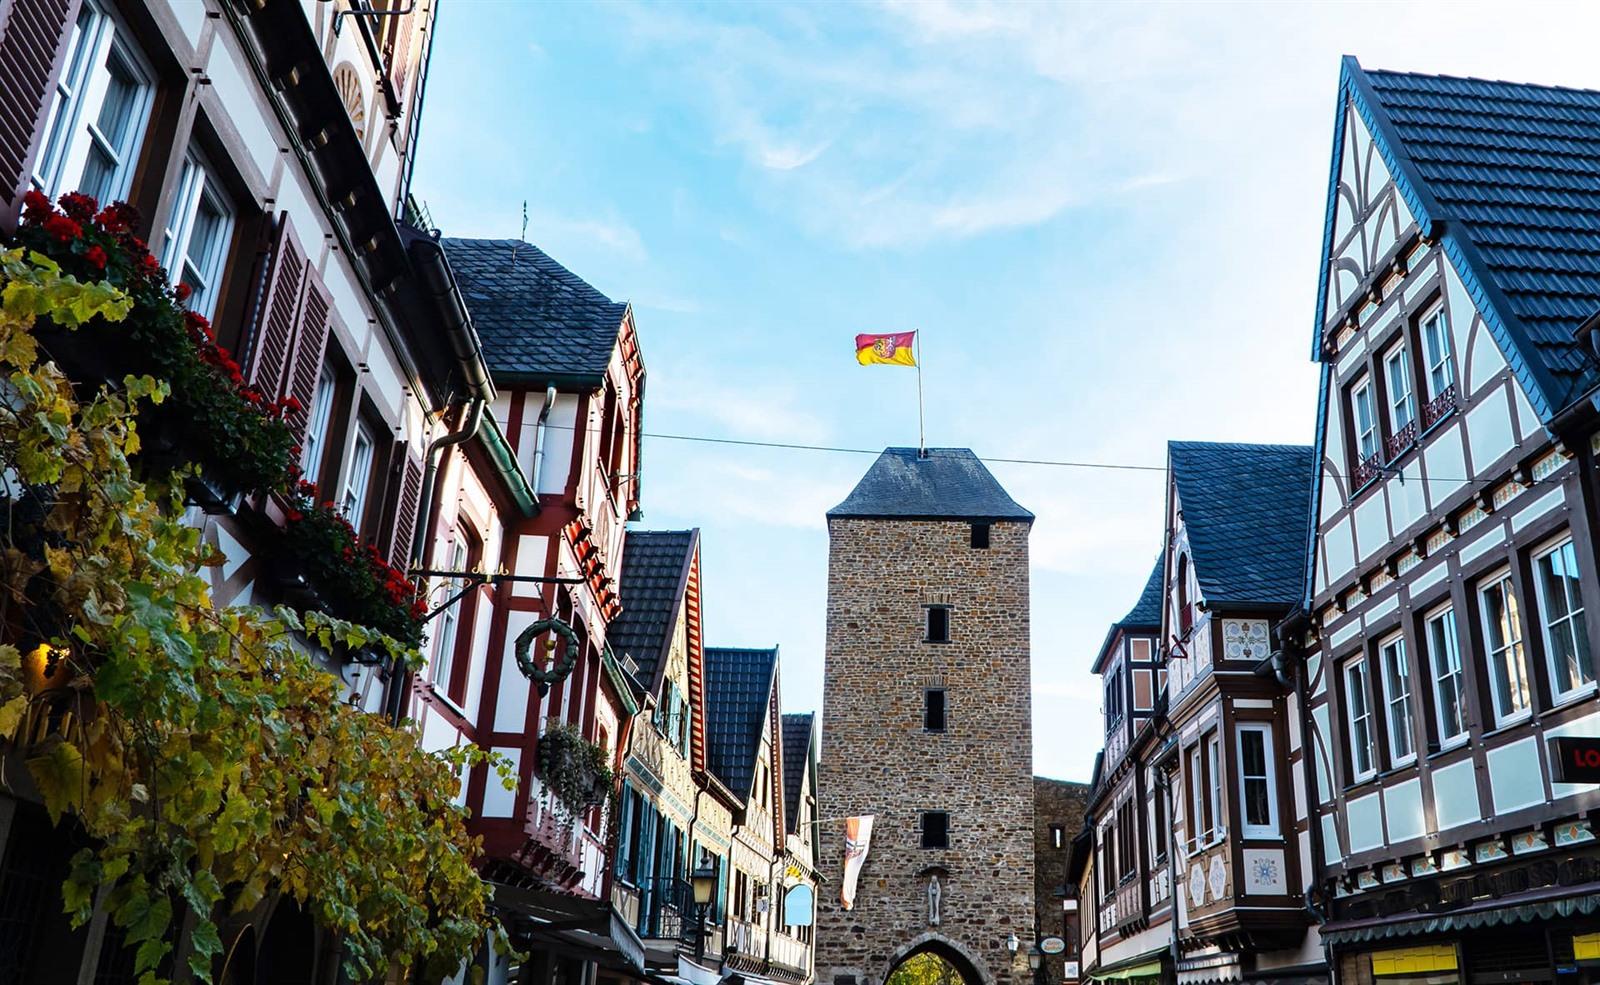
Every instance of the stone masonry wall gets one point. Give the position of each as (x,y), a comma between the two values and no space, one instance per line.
(1056,803)
(877,759)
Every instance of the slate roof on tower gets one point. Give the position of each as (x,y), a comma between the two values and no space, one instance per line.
(1145,614)
(1247,512)
(537,320)
(943,484)
(797,745)
(1509,176)
(655,572)
(738,686)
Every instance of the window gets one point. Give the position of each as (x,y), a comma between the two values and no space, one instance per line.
(938,624)
(1366,422)
(980,536)
(1436,350)
(1158,822)
(1397,371)
(444,650)
(1397,696)
(933,709)
(935,829)
(354,498)
(1185,608)
(315,444)
(1566,637)
(1214,775)
(97,117)
(1358,718)
(1113,703)
(1258,797)
(197,235)
(1502,628)
(1197,799)
(1058,836)
(1449,683)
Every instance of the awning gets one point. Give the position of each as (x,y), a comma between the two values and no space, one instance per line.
(1149,969)
(584,928)
(1539,904)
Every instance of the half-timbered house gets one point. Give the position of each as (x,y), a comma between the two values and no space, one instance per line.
(746,753)
(1234,569)
(267,148)
(793,941)
(1455,557)
(676,816)
(1132,899)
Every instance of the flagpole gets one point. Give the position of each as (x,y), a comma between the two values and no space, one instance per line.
(922,439)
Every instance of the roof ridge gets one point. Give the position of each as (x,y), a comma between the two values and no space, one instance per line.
(1440,76)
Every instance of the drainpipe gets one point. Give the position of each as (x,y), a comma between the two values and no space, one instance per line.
(538,436)
(395,699)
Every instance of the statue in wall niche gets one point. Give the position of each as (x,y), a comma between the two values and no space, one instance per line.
(934,892)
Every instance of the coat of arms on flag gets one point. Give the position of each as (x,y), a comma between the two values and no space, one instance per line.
(895,349)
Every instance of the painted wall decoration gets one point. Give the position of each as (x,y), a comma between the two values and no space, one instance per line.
(1245,639)
(1264,872)
(1218,877)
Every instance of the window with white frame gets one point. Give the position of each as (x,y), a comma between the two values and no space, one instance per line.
(1197,799)
(315,444)
(1566,636)
(1436,351)
(195,247)
(1397,700)
(99,111)
(1449,682)
(1397,372)
(1258,796)
(1508,669)
(354,498)
(1365,418)
(444,648)
(1214,775)
(1358,718)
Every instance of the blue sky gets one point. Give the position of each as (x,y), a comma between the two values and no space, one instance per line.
(1103,219)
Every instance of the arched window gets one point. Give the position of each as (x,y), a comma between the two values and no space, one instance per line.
(1185,604)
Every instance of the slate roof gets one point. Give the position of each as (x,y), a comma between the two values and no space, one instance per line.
(1513,173)
(738,684)
(944,484)
(535,318)
(655,569)
(1146,613)
(1247,512)
(796,760)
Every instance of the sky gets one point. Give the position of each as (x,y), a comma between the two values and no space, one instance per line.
(1104,221)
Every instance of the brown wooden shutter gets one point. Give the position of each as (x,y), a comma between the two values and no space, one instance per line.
(405,517)
(273,336)
(33,44)
(310,344)
(397,54)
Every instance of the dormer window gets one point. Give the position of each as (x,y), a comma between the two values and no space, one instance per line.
(1185,605)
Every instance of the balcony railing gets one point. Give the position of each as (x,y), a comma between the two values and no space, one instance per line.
(1398,443)
(1439,407)
(1366,470)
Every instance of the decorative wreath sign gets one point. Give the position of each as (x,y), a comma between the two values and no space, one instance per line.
(558,669)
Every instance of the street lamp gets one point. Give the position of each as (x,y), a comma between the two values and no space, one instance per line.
(1035,958)
(703,882)
(1012,943)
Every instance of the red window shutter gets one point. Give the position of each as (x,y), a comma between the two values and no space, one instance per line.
(33,43)
(310,344)
(405,517)
(277,313)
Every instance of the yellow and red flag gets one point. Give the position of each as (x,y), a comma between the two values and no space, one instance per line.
(894,349)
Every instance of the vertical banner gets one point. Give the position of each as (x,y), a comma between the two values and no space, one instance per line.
(857,839)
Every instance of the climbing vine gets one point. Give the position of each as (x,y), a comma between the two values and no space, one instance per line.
(212,766)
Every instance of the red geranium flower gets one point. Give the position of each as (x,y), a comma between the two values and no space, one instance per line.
(35,206)
(61,228)
(78,206)
(182,292)
(96,256)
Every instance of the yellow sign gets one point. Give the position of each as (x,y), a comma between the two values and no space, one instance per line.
(1586,947)
(1414,960)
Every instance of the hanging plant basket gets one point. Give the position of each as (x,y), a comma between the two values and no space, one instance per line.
(573,768)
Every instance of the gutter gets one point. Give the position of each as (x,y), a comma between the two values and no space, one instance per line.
(493,441)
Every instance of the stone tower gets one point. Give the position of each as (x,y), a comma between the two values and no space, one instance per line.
(927,710)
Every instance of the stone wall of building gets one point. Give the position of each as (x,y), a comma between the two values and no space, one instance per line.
(878,759)
(1057,817)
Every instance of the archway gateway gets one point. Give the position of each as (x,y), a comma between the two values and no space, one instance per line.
(933,962)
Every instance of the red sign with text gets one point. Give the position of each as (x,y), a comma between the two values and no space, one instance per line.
(1576,760)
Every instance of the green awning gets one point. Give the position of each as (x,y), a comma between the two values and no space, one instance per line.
(1150,969)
